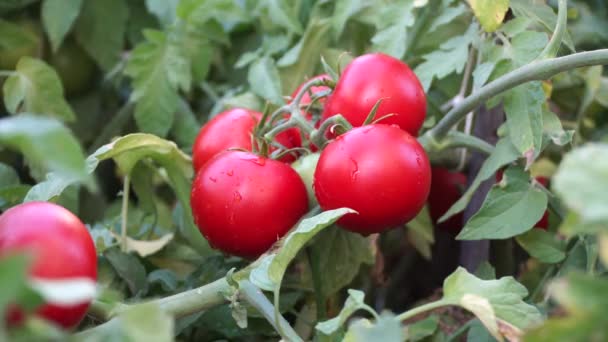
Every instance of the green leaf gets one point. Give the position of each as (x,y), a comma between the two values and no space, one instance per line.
(392,26)
(164,10)
(542,245)
(12,195)
(490,13)
(353,303)
(448,15)
(582,182)
(8,176)
(341,254)
(14,36)
(58,17)
(281,13)
(264,80)
(12,5)
(420,232)
(583,297)
(385,328)
(423,328)
(553,129)
(127,151)
(482,73)
(508,210)
(503,154)
(35,87)
(523,108)
(13,272)
(50,188)
(343,11)
(39,139)
(156,68)
(100,30)
(129,268)
(541,13)
(450,57)
(305,55)
(492,301)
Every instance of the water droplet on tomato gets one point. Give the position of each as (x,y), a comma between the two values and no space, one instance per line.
(260,161)
(237,196)
(230,173)
(213,179)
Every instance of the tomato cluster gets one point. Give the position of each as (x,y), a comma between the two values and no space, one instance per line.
(242,201)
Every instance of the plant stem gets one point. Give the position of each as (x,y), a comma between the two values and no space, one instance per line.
(124,214)
(558,35)
(314,261)
(258,300)
(457,139)
(422,308)
(535,71)
(104,311)
(195,300)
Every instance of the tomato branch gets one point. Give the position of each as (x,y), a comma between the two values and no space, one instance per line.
(455,139)
(536,71)
(422,308)
(560,30)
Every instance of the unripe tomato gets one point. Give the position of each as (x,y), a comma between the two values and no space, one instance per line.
(233,129)
(31,47)
(75,68)
(305,166)
(243,203)
(372,77)
(380,171)
(61,247)
(446,188)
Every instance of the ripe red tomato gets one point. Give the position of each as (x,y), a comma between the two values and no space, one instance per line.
(380,171)
(372,77)
(233,129)
(543,223)
(61,247)
(446,188)
(243,203)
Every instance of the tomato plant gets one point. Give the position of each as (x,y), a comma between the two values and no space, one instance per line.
(243,203)
(379,171)
(75,68)
(378,77)
(61,250)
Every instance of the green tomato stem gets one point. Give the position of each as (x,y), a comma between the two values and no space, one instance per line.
(554,44)
(318,136)
(315,265)
(535,71)
(423,308)
(455,139)
(258,300)
(124,213)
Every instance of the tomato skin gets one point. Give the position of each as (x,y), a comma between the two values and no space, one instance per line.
(446,188)
(380,171)
(233,129)
(61,248)
(372,77)
(243,203)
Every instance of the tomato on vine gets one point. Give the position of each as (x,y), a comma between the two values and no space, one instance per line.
(233,129)
(374,77)
(380,171)
(61,248)
(446,188)
(306,98)
(243,203)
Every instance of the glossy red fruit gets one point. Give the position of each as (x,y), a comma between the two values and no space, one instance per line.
(243,203)
(543,223)
(380,171)
(233,129)
(372,77)
(446,188)
(61,247)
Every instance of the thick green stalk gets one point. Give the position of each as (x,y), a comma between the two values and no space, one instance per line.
(535,71)
(422,308)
